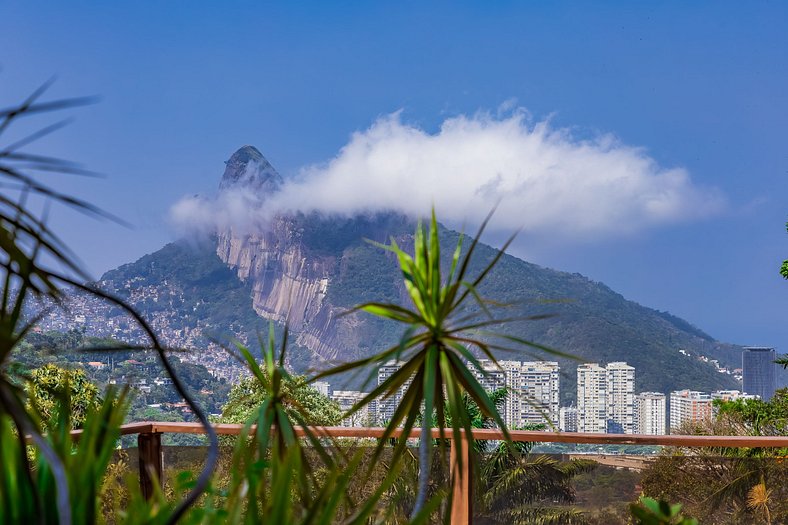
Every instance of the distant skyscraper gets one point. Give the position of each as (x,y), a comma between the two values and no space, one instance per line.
(620,398)
(386,407)
(606,398)
(491,377)
(534,393)
(324,387)
(567,419)
(689,406)
(533,390)
(650,413)
(591,398)
(759,371)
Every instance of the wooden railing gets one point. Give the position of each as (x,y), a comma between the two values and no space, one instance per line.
(151,458)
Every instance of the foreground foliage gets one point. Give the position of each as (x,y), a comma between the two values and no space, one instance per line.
(445,323)
(728,485)
(300,398)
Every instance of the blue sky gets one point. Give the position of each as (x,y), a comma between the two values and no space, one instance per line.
(702,89)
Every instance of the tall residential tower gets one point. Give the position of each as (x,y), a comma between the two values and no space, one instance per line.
(759,371)
(606,398)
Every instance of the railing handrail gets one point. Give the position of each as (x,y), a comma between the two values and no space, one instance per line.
(673,440)
(151,457)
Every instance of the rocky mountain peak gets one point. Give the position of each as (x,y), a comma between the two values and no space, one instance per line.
(248,168)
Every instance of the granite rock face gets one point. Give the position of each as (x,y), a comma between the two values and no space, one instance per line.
(288,277)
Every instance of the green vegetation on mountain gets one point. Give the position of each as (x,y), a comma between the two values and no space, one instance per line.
(52,358)
(590,321)
(192,286)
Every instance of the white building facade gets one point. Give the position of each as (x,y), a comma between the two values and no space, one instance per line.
(567,419)
(650,413)
(689,406)
(387,406)
(347,399)
(606,398)
(591,398)
(620,398)
(533,390)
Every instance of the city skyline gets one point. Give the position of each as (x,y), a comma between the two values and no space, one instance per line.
(606,402)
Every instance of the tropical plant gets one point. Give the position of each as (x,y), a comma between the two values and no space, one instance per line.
(35,266)
(446,322)
(246,395)
(525,488)
(756,416)
(720,483)
(758,500)
(648,511)
(275,478)
(49,383)
(29,485)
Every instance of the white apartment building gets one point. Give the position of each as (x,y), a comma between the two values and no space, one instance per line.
(687,406)
(386,407)
(347,399)
(650,414)
(567,419)
(490,377)
(538,393)
(533,390)
(324,387)
(591,398)
(606,398)
(620,398)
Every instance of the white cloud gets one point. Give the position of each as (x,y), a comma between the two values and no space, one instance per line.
(542,178)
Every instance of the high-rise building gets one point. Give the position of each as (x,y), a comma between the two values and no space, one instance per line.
(759,371)
(606,398)
(591,398)
(567,419)
(387,406)
(535,394)
(650,413)
(347,399)
(533,390)
(689,406)
(491,377)
(324,387)
(620,398)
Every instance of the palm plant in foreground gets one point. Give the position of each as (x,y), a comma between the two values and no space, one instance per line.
(273,478)
(446,323)
(27,475)
(36,265)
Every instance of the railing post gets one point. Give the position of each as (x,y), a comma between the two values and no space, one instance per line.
(461,481)
(151,460)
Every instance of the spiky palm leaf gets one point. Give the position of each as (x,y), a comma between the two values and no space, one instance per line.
(438,345)
(36,263)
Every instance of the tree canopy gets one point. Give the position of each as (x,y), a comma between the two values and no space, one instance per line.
(246,396)
(51,384)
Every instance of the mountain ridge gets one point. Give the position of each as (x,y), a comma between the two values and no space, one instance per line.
(308,269)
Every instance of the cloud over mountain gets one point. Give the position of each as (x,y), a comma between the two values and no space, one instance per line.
(542,178)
